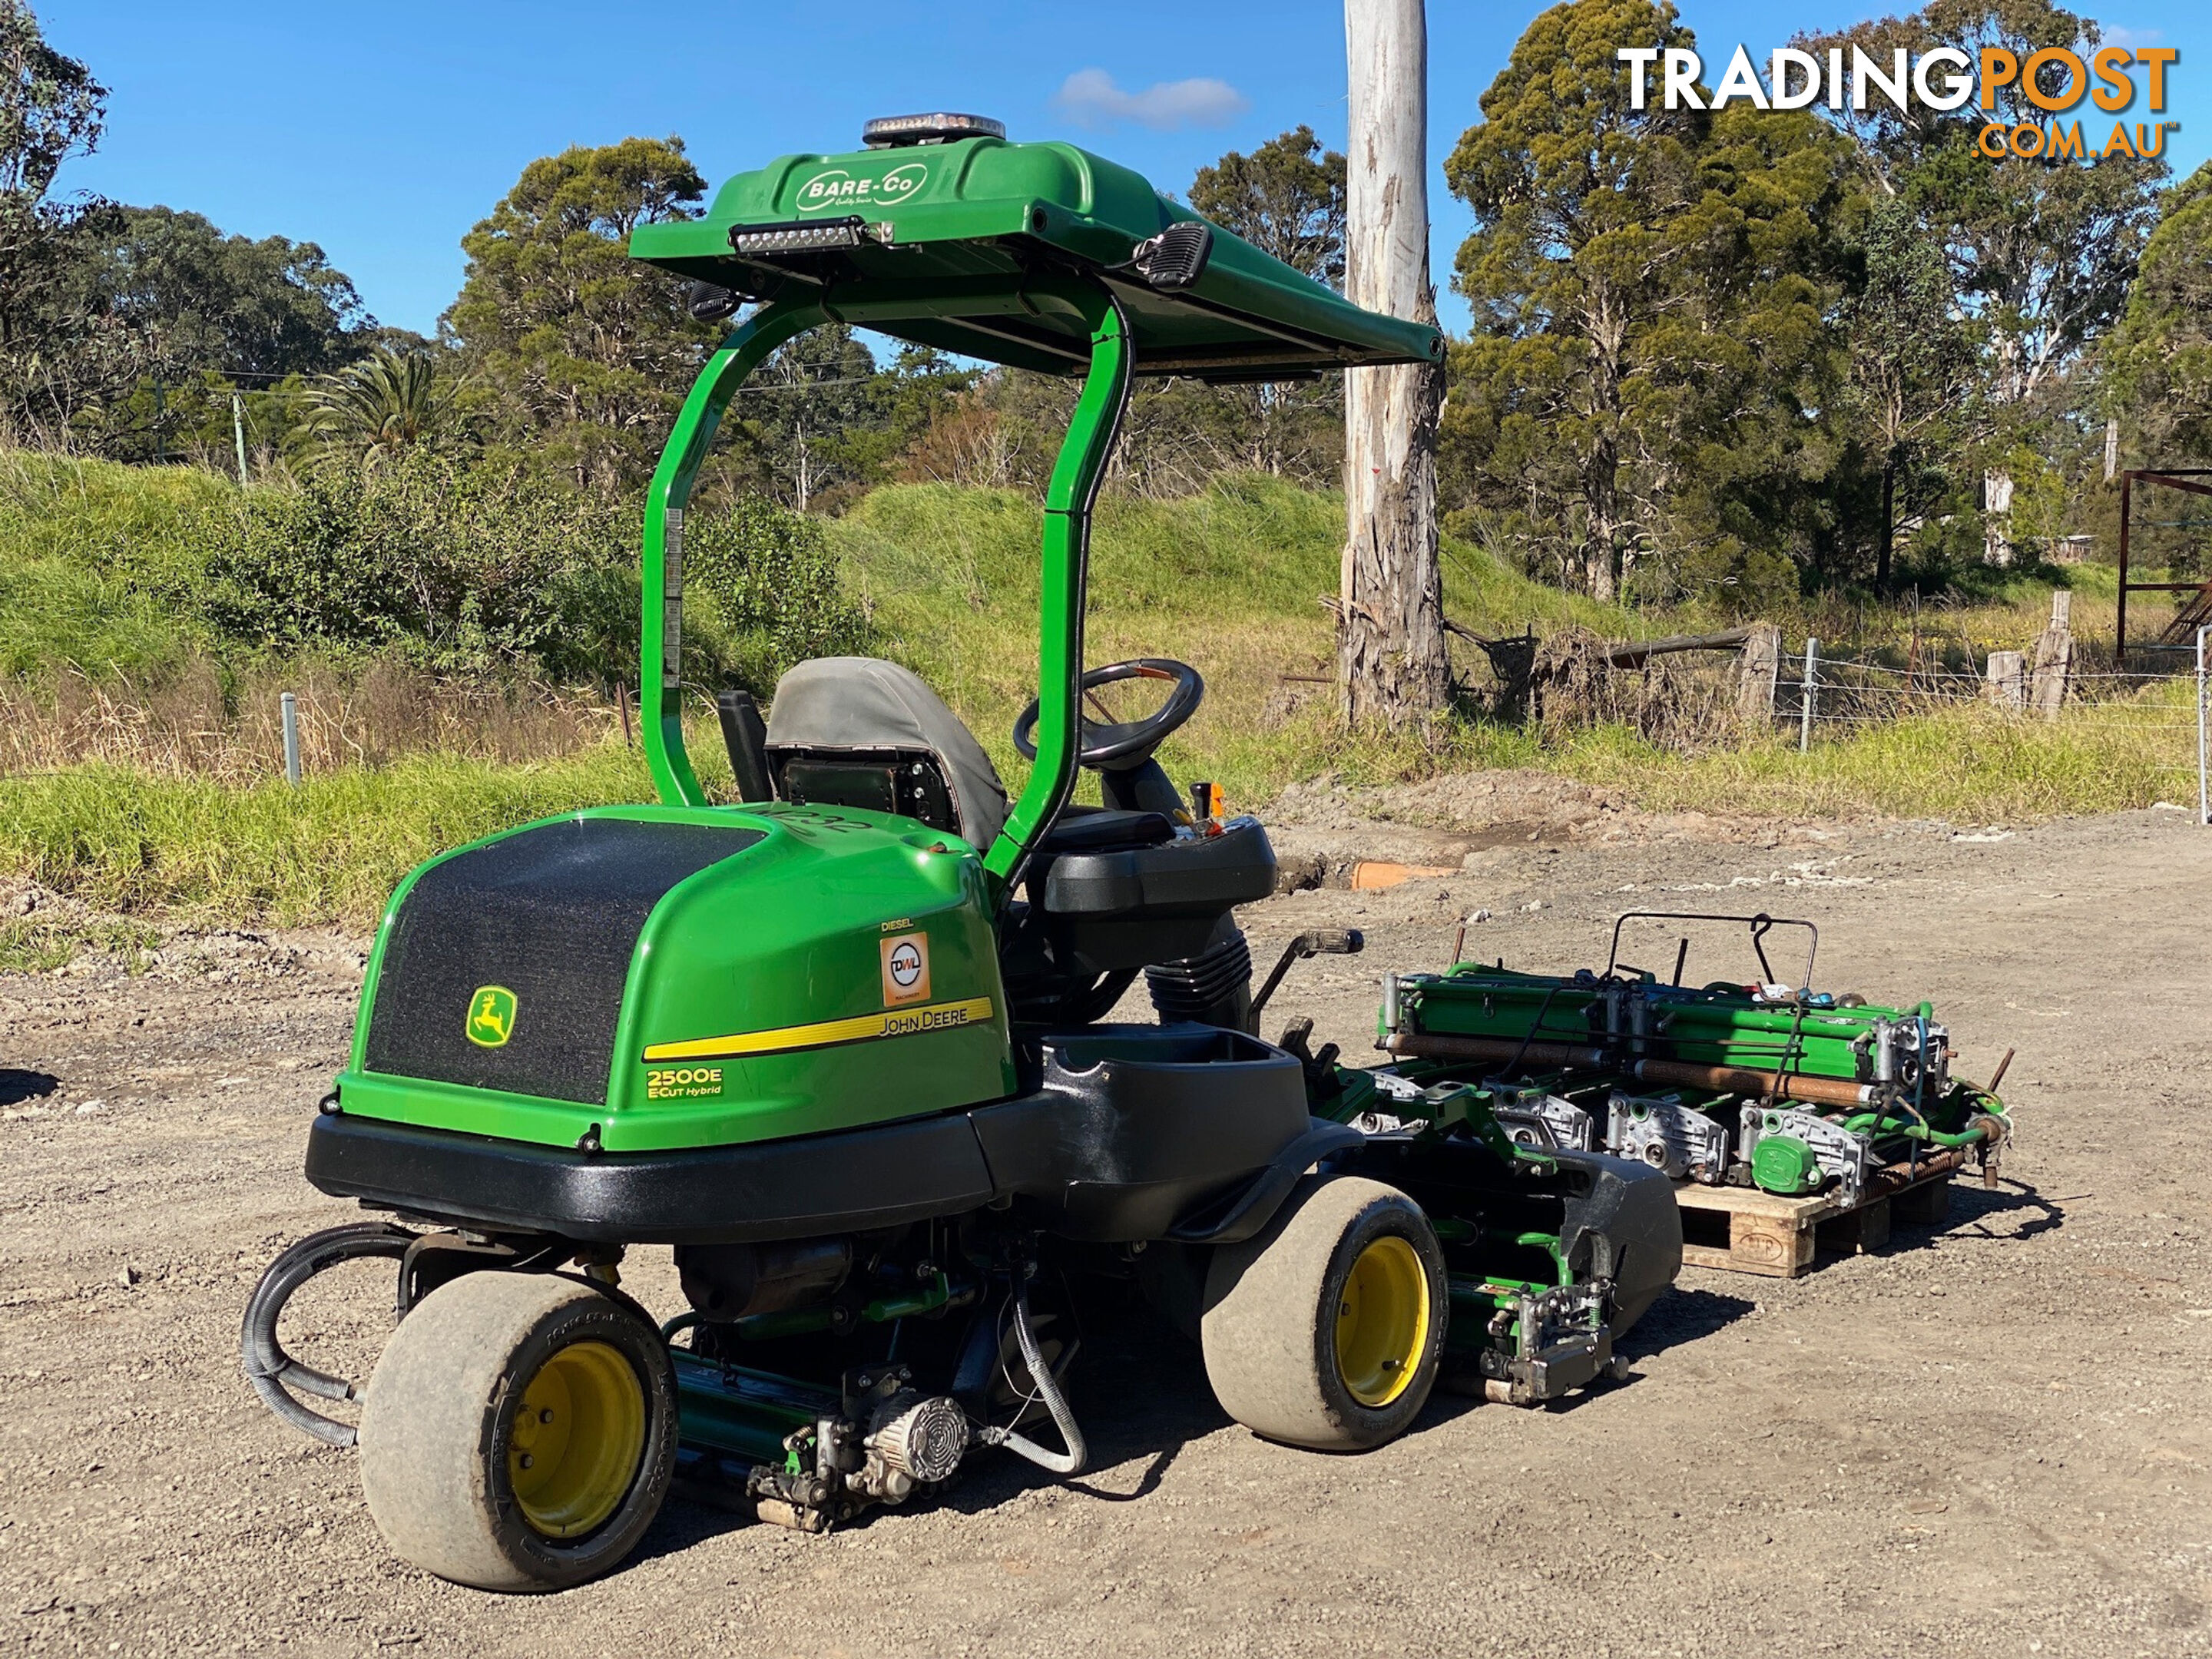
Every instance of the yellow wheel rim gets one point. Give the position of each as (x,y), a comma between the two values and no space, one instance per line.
(578,1439)
(1382,1322)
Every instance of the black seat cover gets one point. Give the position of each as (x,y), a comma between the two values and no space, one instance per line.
(872,717)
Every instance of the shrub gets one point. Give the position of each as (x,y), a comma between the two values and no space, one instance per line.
(464,569)
(461,568)
(776,590)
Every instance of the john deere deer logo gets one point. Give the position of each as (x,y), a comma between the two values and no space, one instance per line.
(491,1016)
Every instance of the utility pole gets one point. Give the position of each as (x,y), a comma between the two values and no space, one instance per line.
(1391,633)
(238,431)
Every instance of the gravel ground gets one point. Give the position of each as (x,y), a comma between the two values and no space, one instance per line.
(1990,1439)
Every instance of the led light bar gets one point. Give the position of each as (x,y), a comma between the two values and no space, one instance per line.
(895,131)
(1176,258)
(807,235)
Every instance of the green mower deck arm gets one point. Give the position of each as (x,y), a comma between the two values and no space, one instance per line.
(1067,538)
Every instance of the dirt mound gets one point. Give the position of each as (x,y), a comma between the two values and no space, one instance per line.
(1448,820)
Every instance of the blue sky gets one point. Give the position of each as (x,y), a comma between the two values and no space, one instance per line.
(384,132)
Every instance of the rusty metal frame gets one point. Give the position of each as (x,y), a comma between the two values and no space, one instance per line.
(2173,478)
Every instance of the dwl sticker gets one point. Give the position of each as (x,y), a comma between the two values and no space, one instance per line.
(906,968)
(491,1016)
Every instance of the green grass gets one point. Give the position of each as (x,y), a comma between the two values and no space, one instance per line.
(1230,581)
(1968,765)
(40,944)
(88,549)
(331,850)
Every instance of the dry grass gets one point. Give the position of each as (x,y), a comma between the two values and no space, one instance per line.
(196,721)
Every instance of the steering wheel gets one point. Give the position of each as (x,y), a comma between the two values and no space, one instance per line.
(1124,745)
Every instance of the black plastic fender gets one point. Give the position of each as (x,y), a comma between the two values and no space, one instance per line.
(1135,1129)
(1622,1224)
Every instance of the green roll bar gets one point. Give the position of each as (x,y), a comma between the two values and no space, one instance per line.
(1066,539)
(1025,254)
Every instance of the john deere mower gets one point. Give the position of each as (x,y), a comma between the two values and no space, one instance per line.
(843,1041)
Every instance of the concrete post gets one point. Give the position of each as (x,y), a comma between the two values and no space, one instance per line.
(290,706)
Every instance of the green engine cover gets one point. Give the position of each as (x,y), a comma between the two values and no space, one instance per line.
(1785,1164)
(649,978)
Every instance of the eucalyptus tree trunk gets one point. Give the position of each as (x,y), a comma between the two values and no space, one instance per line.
(1885,549)
(1390,632)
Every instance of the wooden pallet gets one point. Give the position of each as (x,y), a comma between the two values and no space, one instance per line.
(1745,1230)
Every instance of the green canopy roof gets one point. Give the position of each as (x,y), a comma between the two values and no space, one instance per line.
(935,242)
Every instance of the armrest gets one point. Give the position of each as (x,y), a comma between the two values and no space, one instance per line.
(1190,875)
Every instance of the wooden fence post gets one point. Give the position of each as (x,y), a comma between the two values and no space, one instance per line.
(2006,683)
(1759,670)
(1808,691)
(2053,673)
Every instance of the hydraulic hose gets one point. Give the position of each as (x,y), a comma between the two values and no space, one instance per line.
(1069,1461)
(275,1373)
(1884,1128)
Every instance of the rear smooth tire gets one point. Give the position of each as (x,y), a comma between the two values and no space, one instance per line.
(1325,1329)
(519,1432)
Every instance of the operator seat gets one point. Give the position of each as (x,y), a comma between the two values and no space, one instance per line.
(861,732)
(1110,891)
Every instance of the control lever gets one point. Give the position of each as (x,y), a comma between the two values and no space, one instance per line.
(1297,1041)
(1205,808)
(1320,941)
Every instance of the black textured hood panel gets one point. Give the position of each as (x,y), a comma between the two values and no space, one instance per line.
(549,916)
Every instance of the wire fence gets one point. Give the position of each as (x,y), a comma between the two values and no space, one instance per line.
(1853,692)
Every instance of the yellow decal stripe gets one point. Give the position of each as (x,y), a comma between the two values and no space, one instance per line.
(903,1022)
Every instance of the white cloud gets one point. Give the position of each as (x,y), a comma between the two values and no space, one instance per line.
(2116,35)
(1091,98)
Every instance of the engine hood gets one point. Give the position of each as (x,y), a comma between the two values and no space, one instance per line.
(647,978)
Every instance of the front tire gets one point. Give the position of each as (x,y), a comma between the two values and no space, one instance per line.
(1326,1328)
(519,1432)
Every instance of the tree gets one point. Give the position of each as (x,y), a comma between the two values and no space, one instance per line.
(196,299)
(57,353)
(195,312)
(581,354)
(810,411)
(823,423)
(113,319)
(2161,356)
(2042,251)
(1286,198)
(372,413)
(1651,290)
(1391,660)
(1911,354)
